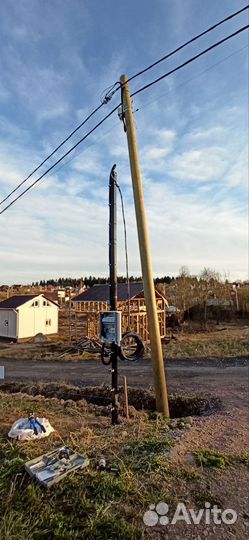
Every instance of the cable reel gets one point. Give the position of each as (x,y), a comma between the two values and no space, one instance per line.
(128,351)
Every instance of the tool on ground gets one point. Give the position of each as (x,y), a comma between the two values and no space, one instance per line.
(35,424)
(52,467)
(102,467)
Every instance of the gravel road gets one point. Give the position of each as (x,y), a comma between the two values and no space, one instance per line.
(228,377)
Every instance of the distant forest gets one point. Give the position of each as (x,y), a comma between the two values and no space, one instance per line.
(92,280)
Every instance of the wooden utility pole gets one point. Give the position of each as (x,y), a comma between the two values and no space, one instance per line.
(143,238)
(126,402)
(69,316)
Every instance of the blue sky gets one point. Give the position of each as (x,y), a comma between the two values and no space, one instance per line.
(56,59)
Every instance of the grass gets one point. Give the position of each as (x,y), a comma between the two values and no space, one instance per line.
(231,342)
(90,504)
(217,460)
(204,495)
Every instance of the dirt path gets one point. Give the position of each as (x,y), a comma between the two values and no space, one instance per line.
(225,431)
(227,376)
(228,380)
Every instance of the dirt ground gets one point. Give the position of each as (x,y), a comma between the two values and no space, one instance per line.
(156,460)
(218,341)
(104,508)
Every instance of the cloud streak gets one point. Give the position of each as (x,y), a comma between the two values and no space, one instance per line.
(192,144)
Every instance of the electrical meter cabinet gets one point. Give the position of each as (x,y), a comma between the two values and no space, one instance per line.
(110,326)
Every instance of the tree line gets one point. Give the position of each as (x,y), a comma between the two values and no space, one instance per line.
(92,280)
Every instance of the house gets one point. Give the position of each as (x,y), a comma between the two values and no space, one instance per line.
(131,303)
(25,316)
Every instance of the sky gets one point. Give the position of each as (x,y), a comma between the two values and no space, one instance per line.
(56,59)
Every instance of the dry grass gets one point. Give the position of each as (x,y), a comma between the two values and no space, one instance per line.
(90,504)
(221,341)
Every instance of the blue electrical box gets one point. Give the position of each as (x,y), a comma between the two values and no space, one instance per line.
(110,326)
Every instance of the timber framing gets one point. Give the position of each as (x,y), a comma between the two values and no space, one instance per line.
(134,315)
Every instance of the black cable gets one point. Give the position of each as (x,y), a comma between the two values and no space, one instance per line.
(190,60)
(156,99)
(116,108)
(212,66)
(61,158)
(110,91)
(75,155)
(229,17)
(126,251)
(54,151)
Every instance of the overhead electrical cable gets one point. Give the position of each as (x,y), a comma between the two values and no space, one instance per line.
(61,158)
(52,153)
(184,83)
(168,55)
(143,106)
(74,156)
(193,58)
(110,91)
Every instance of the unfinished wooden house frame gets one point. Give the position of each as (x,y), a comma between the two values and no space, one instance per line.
(134,315)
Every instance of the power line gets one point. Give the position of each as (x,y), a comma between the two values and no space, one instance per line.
(75,155)
(110,91)
(115,108)
(190,60)
(147,105)
(59,160)
(212,66)
(52,153)
(229,17)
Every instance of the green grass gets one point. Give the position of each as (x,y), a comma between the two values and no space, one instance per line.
(217,460)
(83,505)
(90,504)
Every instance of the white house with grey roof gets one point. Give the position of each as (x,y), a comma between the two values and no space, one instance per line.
(27,315)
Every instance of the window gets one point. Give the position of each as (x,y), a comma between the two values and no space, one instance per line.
(36,303)
(48,322)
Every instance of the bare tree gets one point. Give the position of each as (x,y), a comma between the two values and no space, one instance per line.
(184,271)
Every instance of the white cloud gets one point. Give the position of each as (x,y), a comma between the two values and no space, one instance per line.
(190,152)
(210,133)
(200,165)
(89,161)
(153,154)
(238,173)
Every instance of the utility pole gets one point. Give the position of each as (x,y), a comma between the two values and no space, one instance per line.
(113,285)
(143,238)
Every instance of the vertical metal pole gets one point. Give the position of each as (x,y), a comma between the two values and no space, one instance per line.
(113,285)
(143,238)
(113,239)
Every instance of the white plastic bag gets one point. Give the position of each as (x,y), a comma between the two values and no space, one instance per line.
(21,430)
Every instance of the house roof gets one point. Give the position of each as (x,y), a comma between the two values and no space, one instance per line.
(51,295)
(18,300)
(100,293)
